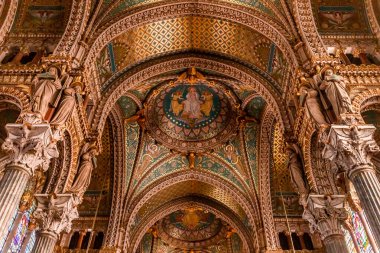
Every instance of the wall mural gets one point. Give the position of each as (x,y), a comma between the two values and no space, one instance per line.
(191,115)
(341,17)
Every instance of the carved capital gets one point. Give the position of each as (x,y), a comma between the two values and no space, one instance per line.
(328,213)
(55,213)
(351,147)
(30,144)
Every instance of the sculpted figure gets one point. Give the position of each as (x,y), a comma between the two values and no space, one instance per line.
(86,165)
(295,169)
(336,92)
(66,105)
(309,98)
(45,89)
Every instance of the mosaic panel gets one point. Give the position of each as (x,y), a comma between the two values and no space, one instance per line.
(232,154)
(251,134)
(132,137)
(206,163)
(341,17)
(179,34)
(255,108)
(42,16)
(128,106)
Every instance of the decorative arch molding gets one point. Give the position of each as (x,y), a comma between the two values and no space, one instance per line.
(192,201)
(80,12)
(9,17)
(363,98)
(203,8)
(71,160)
(119,185)
(182,176)
(138,75)
(372,18)
(306,25)
(264,180)
(16,97)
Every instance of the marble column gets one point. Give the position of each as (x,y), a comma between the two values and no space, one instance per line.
(352,147)
(326,214)
(54,214)
(29,146)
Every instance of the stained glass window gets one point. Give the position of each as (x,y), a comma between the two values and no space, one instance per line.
(2,240)
(20,233)
(360,235)
(31,242)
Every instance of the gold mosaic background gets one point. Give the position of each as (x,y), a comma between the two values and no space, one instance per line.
(191,32)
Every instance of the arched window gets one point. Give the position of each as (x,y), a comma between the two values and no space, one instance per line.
(360,234)
(98,240)
(74,240)
(296,241)
(308,242)
(283,241)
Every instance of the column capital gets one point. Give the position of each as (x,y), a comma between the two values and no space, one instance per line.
(30,144)
(326,214)
(55,213)
(351,146)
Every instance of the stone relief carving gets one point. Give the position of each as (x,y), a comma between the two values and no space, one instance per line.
(334,87)
(86,165)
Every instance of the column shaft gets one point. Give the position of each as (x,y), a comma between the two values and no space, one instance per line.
(335,244)
(12,186)
(368,188)
(45,242)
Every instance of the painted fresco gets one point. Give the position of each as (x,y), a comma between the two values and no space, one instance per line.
(341,17)
(132,138)
(41,16)
(255,108)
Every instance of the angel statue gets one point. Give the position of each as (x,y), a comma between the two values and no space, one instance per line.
(335,89)
(86,165)
(44,90)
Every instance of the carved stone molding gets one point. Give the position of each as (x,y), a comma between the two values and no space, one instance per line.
(307,28)
(19,97)
(6,26)
(327,214)
(55,213)
(264,182)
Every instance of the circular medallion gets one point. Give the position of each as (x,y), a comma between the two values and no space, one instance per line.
(191,117)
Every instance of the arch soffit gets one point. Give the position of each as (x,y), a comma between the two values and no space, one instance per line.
(178,9)
(245,190)
(278,20)
(140,74)
(217,209)
(183,176)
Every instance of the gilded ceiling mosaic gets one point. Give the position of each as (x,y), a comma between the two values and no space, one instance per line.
(341,17)
(191,33)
